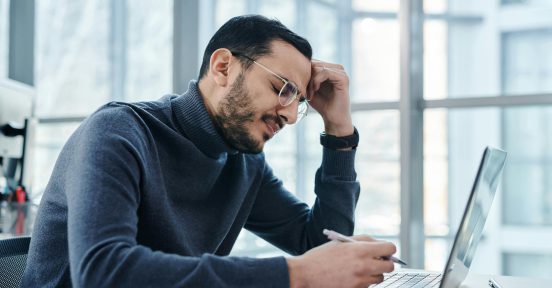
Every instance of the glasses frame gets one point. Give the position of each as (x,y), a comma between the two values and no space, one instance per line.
(303,106)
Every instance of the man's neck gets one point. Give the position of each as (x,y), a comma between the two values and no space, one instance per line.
(205,90)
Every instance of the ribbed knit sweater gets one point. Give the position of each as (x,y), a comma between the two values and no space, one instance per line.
(149,195)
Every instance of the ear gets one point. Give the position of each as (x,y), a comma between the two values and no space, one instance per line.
(219,66)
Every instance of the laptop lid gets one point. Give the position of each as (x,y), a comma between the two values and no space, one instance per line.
(476,212)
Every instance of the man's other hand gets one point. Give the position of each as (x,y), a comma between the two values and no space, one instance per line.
(337,264)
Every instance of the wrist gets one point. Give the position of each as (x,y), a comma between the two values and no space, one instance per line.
(333,142)
(339,130)
(295,274)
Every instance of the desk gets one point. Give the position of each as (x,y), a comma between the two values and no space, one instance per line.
(16,219)
(481,281)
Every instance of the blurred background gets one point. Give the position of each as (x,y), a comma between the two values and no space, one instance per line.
(432,83)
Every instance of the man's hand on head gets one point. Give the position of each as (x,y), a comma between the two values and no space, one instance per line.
(328,92)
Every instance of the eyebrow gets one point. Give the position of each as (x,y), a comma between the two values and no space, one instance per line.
(239,54)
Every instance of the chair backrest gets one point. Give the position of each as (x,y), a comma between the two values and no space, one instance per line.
(13,258)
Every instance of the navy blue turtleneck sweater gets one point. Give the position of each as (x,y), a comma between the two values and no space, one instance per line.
(149,195)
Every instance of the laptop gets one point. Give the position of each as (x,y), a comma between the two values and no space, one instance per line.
(469,232)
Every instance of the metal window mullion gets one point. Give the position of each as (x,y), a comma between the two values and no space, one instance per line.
(118,43)
(21,41)
(344,30)
(185,43)
(412,237)
(491,101)
(301,155)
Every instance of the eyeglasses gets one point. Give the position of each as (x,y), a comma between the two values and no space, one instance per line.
(288,93)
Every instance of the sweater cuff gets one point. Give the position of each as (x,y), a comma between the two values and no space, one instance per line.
(269,272)
(339,163)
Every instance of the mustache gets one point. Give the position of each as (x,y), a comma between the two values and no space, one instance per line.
(273,118)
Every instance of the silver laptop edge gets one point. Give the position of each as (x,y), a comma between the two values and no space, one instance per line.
(475,214)
(473,220)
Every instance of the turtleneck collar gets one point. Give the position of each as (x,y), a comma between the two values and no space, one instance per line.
(195,122)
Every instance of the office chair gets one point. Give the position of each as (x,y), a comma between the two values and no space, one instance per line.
(13,258)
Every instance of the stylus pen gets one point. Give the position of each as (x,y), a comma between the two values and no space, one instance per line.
(494,284)
(332,235)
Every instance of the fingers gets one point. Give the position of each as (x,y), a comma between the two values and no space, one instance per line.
(376,248)
(374,279)
(324,71)
(364,238)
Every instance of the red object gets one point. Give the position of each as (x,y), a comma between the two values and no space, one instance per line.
(20,195)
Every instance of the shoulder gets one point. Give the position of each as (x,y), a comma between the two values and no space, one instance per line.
(114,122)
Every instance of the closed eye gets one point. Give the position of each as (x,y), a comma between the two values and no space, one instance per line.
(276,90)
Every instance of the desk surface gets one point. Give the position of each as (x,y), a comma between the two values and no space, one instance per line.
(481,281)
(16,219)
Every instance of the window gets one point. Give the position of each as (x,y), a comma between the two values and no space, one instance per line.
(534,265)
(468,54)
(476,55)
(4,37)
(79,65)
(375,47)
(72,57)
(149,50)
(295,154)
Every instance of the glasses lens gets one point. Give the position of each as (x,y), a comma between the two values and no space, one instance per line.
(288,94)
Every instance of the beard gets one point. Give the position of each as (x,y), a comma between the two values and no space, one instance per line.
(234,113)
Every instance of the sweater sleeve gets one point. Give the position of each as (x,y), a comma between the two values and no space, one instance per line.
(283,220)
(102,181)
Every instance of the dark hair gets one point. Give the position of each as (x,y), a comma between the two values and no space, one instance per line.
(251,35)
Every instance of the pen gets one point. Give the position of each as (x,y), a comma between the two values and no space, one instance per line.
(332,235)
(493,283)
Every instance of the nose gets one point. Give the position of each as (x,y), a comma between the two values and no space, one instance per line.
(288,113)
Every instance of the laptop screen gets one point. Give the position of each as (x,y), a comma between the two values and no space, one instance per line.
(475,214)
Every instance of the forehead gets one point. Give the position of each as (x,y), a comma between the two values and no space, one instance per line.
(286,61)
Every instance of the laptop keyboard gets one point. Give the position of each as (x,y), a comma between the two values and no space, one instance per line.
(412,280)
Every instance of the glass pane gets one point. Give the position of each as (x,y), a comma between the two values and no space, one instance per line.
(72,56)
(376,5)
(322,35)
(435,6)
(49,139)
(312,153)
(435,59)
(283,10)
(527,185)
(469,55)
(436,254)
(453,145)
(375,59)
(378,171)
(377,167)
(436,174)
(527,62)
(226,9)
(4,37)
(280,153)
(149,50)
(527,264)
(249,245)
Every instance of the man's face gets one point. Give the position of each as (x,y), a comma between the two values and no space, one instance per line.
(251,114)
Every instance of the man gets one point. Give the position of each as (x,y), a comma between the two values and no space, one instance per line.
(155,194)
